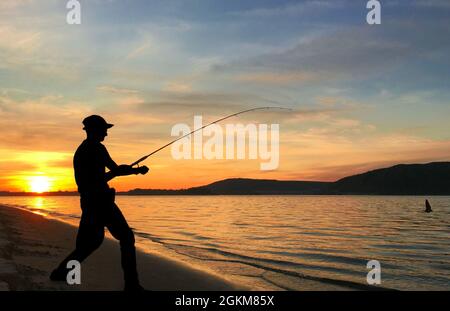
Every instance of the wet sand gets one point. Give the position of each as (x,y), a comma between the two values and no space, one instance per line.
(32,245)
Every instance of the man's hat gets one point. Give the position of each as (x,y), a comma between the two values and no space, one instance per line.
(95,122)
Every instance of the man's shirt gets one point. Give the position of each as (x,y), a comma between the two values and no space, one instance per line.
(90,162)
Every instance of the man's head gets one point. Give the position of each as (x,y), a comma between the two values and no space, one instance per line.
(96,127)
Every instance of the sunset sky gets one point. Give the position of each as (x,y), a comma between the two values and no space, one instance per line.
(363,96)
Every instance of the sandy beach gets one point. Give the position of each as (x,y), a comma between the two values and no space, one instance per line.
(32,245)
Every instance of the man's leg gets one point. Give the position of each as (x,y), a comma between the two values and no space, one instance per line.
(120,230)
(89,237)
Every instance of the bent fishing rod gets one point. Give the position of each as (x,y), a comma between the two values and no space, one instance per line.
(192,132)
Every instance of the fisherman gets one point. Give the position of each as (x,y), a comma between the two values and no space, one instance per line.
(427,207)
(97,203)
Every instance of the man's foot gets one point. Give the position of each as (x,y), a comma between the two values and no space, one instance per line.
(58,276)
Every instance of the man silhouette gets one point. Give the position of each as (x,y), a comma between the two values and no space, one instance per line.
(97,203)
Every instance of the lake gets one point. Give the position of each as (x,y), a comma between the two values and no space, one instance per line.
(278,242)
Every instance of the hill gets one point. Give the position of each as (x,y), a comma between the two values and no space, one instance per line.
(403,179)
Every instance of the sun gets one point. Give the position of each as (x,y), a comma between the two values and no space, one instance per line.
(39,184)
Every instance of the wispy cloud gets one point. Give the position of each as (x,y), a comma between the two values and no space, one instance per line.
(177,87)
(348,54)
(279,78)
(433,3)
(116,90)
(140,50)
(17,40)
(298,8)
(14,4)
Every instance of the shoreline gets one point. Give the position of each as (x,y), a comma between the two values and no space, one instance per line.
(32,245)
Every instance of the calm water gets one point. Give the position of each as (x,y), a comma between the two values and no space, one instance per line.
(281,241)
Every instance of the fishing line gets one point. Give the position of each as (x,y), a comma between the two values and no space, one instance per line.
(192,132)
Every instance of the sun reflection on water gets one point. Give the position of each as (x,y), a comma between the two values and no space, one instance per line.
(37,205)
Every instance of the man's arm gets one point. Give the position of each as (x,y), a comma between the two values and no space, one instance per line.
(122,170)
(111,165)
(125,170)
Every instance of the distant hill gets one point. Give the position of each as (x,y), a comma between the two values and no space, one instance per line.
(403,179)
(262,186)
(243,186)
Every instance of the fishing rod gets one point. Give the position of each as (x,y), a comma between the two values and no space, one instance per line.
(192,132)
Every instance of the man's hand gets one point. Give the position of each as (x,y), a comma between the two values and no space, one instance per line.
(125,170)
(142,170)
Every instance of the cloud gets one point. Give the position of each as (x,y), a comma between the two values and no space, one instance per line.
(178,87)
(278,78)
(330,155)
(326,122)
(129,102)
(116,90)
(14,4)
(440,4)
(31,52)
(350,53)
(196,102)
(341,53)
(15,40)
(139,51)
(41,124)
(4,92)
(291,9)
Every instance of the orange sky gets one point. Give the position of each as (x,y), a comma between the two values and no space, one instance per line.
(304,155)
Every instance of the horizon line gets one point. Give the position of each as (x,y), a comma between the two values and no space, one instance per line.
(2,192)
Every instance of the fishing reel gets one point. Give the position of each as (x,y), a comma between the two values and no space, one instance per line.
(141,169)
